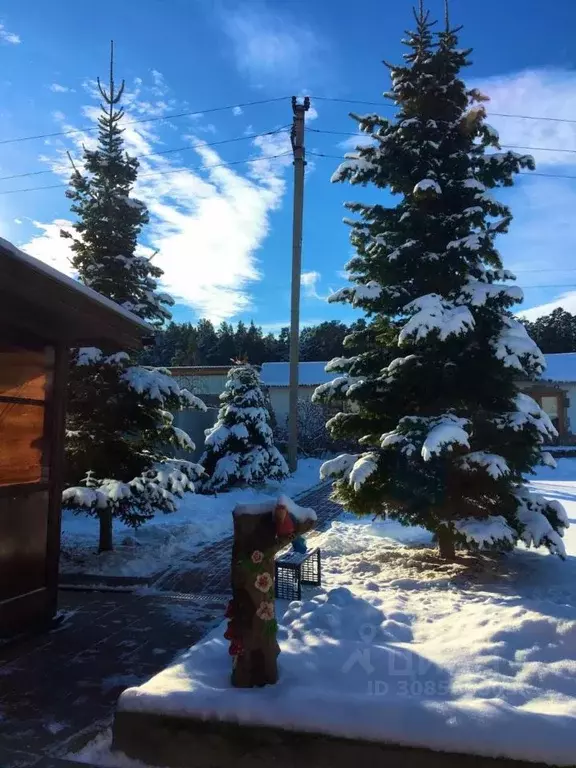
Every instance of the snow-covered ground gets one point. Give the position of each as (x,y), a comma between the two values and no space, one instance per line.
(475,657)
(198,521)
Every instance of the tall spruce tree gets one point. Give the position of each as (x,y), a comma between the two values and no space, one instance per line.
(432,393)
(119,420)
(240,448)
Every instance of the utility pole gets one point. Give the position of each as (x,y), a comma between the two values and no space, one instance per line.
(297,138)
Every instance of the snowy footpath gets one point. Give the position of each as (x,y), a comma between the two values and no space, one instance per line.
(475,657)
(199,520)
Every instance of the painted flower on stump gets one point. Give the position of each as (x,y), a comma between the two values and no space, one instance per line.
(264,582)
(265,611)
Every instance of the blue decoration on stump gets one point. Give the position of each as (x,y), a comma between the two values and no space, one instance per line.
(299,545)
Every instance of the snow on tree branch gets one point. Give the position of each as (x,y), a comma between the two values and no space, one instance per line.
(365,466)
(516,349)
(527,414)
(495,466)
(432,313)
(542,521)
(157,385)
(332,390)
(486,532)
(476,293)
(339,466)
(427,187)
(448,431)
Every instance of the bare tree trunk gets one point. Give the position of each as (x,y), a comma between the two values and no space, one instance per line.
(105,543)
(446,544)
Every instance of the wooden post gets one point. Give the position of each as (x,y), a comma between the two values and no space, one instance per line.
(260,531)
(297,137)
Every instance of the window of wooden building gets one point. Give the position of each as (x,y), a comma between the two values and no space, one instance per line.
(25,389)
(25,379)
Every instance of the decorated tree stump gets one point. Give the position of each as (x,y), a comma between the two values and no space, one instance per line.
(260,531)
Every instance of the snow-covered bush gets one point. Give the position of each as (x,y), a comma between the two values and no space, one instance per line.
(431,386)
(239,449)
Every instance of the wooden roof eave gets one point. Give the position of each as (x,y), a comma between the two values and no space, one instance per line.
(43,301)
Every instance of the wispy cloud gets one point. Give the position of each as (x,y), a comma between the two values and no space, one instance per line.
(565,301)
(353,142)
(548,93)
(309,282)
(237,111)
(207,223)
(49,246)
(57,88)
(542,240)
(9,37)
(273,45)
(159,88)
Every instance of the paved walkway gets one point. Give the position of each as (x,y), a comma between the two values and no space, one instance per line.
(208,572)
(58,689)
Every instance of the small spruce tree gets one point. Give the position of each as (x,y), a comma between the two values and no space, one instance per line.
(432,391)
(119,422)
(240,447)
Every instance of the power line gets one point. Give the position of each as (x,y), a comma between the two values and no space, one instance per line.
(521,173)
(241,105)
(245,137)
(252,160)
(566,285)
(163,173)
(554,269)
(496,114)
(146,120)
(504,146)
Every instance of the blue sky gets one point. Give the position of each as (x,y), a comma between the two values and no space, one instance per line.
(224,233)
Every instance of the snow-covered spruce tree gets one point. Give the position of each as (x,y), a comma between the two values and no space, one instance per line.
(432,395)
(119,422)
(240,447)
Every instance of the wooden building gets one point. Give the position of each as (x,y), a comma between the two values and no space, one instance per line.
(42,314)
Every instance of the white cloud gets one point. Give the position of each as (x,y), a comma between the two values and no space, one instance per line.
(312,112)
(541,244)
(309,282)
(57,88)
(50,247)
(566,301)
(539,93)
(8,37)
(160,88)
(236,111)
(268,45)
(358,140)
(17,221)
(207,225)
